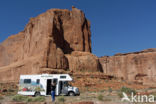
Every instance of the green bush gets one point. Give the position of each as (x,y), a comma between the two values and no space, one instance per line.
(61,99)
(106,81)
(19,98)
(154,94)
(11,90)
(29,99)
(100,97)
(126,90)
(120,94)
(102,91)
(1,97)
(39,99)
(110,90)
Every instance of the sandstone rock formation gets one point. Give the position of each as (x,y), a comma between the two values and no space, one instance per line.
(59,40)
(135,67)
(10,49)
(47,42)
(83,62)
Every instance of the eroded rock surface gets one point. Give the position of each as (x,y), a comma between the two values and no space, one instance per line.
(46,42)
(137,67)
(60,39)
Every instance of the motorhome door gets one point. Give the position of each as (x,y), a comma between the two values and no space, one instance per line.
(49,82)
(48,86)
(63,87)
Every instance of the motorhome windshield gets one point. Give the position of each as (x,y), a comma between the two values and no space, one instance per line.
(66,83)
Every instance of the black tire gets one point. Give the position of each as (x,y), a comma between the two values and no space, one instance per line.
(37,94)
(71,94)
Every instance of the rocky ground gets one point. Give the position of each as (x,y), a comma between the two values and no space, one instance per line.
(101,97)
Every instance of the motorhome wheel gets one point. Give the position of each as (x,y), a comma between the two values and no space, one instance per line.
(37,94)
(71,93)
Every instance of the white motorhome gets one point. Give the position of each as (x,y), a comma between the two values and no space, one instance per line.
(41,85)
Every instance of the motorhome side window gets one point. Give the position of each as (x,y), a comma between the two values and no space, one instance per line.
(38,81)
(27,81)
(63,77)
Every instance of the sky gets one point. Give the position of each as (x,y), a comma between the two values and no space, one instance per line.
(117,26)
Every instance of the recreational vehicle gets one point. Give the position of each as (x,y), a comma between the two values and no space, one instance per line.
(41,85)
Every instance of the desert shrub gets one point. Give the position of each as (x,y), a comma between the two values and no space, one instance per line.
(38,99)
(102,91)
(126,90)
(120,94)
(110,90)
(61,99)
(29,99)
(1,97)
(100,97)
(154,94)
(87,89)
(11,90)
(19,98)
(106,81)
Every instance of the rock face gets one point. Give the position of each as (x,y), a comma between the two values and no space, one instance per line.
(83,62)
(47,42)
(10,49)
(60,39)
(137,67)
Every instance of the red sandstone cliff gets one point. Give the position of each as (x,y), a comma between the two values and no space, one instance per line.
(60,40)
(137,67)
(57,39)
